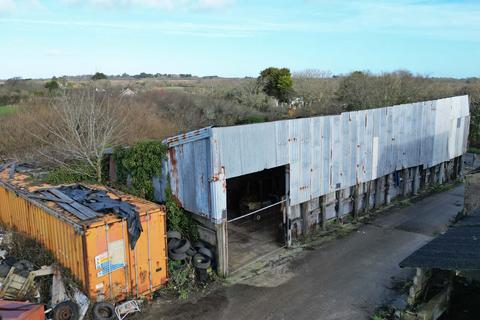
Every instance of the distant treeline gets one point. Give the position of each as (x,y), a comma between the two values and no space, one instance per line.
(184,102)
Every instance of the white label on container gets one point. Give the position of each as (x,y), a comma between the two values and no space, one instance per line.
(111,260)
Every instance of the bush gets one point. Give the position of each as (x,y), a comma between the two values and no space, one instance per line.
(179,220)
(70,174)
(99,76)
(142,161)
(52,85)
(181,279)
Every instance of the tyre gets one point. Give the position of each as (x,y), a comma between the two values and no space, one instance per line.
(182,246)
(67,310)
(201,262)
(206,252)
(176,256)
(104,311)
(172,243)
(23,267)
(191,252)
(174,235)
(197,245)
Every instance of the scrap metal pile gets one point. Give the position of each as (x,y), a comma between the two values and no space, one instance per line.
(19,281)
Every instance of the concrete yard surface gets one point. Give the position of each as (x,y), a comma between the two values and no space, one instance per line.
(347,278)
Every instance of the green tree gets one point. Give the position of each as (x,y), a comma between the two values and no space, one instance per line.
(277,83)
(99,76)
(52,84)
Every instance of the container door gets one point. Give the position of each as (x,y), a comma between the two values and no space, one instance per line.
(148,259)
(107,246)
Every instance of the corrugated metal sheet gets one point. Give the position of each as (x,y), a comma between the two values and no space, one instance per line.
(325,154)
(189,166)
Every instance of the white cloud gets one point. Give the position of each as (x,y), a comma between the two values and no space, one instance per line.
(435,19)
(159,4)
(6,5)
(17,5)
(172,28)
(214,3)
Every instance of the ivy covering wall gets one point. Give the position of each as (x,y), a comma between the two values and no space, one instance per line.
(140,163)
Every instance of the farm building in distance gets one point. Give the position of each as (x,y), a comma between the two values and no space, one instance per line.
(257,187)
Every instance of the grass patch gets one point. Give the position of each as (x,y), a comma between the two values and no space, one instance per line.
(4,110)
(405,203)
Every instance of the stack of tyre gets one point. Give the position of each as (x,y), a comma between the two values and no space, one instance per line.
(199,254)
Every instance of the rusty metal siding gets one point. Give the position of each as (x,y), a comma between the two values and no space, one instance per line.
(324,154)
(190,170)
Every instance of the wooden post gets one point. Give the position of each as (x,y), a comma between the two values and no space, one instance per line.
(424,182)
(222,248)
(378,192)
(416,182)
(339,212)
(388,187)
(442,173)
(433,176)
(405,178)
(367,196)
(323,207)
(455,168)
(356,201)
(461,167)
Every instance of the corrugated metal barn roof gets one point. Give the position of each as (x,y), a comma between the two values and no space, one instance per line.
(324,154)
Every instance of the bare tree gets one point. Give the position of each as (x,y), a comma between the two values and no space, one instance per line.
(85,124)
(317,89)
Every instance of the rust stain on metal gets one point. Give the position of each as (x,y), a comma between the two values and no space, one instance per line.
(174,171)
(224,185)
(177,201)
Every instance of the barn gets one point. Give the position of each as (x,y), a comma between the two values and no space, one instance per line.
(258,187)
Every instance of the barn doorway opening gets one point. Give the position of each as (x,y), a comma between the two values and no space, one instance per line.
(256,215)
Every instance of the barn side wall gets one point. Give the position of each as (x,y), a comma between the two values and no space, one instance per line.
(353,202)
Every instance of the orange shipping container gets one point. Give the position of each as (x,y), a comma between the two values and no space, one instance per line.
(96,251)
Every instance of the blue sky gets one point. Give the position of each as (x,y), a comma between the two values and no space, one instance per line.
(42,38)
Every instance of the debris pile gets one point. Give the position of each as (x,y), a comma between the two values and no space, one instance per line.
(86,203)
